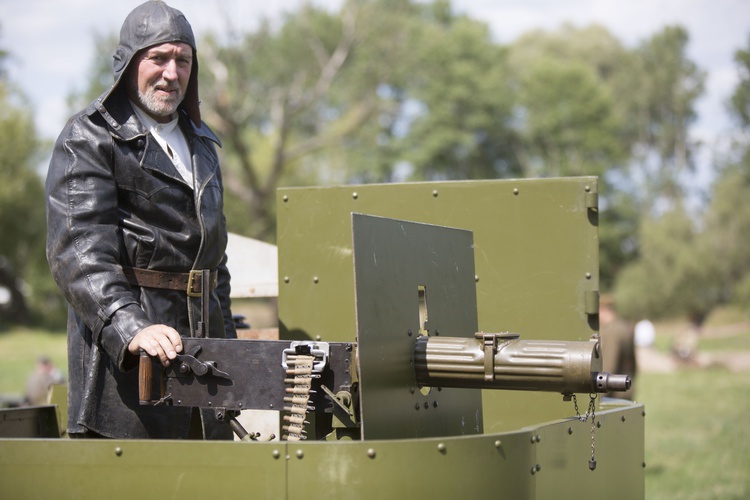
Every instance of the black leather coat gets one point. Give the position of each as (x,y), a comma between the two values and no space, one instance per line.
(115,199)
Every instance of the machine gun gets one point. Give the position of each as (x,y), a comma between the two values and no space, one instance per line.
(234,375)
(332,381)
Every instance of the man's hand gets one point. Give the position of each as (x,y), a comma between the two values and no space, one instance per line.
(157,340)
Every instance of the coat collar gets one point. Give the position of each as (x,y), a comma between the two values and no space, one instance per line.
(116,110)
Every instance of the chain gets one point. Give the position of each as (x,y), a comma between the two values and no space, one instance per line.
(590,412)
(299,397)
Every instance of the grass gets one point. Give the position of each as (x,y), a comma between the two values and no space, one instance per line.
(697,437)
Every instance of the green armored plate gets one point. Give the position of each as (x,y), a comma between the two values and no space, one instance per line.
(409,278)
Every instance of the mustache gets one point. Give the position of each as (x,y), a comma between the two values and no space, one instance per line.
(163,85)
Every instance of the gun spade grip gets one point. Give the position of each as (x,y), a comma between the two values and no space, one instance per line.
(145,377)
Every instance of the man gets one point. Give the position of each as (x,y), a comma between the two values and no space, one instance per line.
(38,384)
(136,234)
(618,345)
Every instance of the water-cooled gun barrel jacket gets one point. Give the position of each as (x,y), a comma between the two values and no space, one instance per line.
(114,200)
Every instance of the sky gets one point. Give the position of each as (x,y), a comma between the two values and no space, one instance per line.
(50,41)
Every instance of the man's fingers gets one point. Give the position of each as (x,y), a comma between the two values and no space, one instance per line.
(158,341)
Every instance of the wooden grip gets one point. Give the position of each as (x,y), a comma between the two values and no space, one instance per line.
(145,378)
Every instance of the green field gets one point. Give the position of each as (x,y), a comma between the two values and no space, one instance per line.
(697,432)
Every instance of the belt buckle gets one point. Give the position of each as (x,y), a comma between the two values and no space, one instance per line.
(194,275)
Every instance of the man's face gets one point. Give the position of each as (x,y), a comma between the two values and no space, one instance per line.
(160,78)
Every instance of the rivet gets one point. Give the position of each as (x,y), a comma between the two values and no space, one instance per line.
(270,405)
(240,405)
(409,333)
(588,276)
(118,451)
(426,405)
(476,278)
(644,413)
(179,401)
(434,404)
(538,438)
(285,198)
(498,443)
(538,467)
(441,447)
(570,430)
(300,454)
(623,418)
(587,188)
(315,279)
(317,337)
(276,454)
(533,439)
(599,424)
(515,190)
(412,390)
(355,195)
(643,464)
(434,193)
(286,279)
(371,453)
(416,406)
(533,470)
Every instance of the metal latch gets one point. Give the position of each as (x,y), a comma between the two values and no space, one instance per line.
(321,351)
(490,344)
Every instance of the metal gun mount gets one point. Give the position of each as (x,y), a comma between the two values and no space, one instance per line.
(404,377)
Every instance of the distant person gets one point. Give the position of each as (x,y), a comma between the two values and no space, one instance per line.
(685,343)
(45,375)
(136,234)
(645,333)
(618,345)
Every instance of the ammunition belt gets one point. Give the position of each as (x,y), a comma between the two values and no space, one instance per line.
(299,397)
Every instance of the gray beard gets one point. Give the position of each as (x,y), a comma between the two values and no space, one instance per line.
(158,106)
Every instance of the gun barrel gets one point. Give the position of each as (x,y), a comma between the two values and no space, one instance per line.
(502,361)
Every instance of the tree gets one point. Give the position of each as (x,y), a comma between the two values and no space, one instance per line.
(567,114)
(270,97)
(727,224)
(460,86)
(739,105)
(354,97)
(22,219)
(661,109)
(675,274)
(101,72)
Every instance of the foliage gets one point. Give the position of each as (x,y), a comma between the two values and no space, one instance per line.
(688,264)
(22,218)
(101,72)
(463,91)
(567,111)
(740,102)
(674,274)
(662,110)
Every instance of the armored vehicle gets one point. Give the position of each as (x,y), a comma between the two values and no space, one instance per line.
(435,340)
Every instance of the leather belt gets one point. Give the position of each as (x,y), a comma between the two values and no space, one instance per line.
(191,282)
